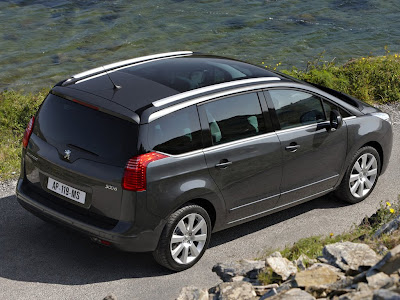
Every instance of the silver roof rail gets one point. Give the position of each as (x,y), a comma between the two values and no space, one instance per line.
(104,69)
(210,88)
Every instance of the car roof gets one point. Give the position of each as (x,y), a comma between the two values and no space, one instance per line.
(161,79)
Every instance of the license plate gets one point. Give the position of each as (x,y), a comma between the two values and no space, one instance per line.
(66,190)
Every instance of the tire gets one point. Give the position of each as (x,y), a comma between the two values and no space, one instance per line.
(191,228)
(361,176)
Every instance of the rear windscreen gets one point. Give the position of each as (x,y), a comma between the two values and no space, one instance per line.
(64,123)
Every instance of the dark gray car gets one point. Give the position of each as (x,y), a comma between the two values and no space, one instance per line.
(155,153)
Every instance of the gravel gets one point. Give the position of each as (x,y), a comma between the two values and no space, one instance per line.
(7,188)
(392,109)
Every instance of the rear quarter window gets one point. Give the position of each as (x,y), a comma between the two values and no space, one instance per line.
(176,133)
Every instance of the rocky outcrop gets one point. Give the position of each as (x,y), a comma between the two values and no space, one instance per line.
(352,271)
(345,271)
(389,263)
(281,266)
(318,274)
(193,293)
(351,257)
(244,268)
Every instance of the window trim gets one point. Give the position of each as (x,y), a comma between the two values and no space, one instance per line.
(274,116)
(206,132)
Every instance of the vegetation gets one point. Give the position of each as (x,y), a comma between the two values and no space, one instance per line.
(371,79)
(312,246)
(16,109)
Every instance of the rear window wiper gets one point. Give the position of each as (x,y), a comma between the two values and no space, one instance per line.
(82,149)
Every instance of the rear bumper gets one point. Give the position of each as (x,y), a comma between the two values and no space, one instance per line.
(123,236)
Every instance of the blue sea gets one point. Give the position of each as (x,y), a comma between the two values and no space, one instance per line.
(42,42)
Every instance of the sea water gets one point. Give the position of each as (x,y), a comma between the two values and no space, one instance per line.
(42,42)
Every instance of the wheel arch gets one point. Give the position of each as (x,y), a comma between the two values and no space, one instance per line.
(207,205)
(378,148)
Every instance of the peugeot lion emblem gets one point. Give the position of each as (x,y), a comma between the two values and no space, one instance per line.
(67,154)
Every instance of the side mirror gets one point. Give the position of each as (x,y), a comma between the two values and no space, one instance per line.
(336,120)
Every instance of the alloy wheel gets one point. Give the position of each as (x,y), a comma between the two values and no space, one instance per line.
(363,175)
(188,238)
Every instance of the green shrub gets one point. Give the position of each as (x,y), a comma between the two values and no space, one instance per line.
(16,109)
(371,79)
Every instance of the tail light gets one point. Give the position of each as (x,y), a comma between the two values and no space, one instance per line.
(135,171)
(28,132)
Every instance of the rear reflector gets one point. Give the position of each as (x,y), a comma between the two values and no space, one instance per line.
(135,171)
(28,132)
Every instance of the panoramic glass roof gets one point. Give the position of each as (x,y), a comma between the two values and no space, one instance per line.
(187,73)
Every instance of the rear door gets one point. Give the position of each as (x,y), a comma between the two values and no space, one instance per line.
(77,155)
(313,156)
(243,154)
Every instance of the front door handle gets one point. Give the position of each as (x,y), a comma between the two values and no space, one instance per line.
(292,147)
(223,164)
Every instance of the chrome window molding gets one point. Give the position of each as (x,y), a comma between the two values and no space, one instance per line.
(183,155)
(194,92)
(158,114)
(276,208)
(349,118)
(298,128)
(238,142)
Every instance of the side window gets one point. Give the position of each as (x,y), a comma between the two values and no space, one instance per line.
(295,108)
(176,133)
(330,106)
(234,118)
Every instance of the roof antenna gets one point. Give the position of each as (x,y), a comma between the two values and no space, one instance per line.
(116,87)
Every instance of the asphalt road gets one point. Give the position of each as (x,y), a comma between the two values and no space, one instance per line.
(43,261)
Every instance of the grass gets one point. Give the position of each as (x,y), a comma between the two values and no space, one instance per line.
(312,246)
(371,79)
(16,109)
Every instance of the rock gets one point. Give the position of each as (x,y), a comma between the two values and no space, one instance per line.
(293,294)
(110,297)
(318,275)
(382,250)
(303,261)
(193,293)
(362,295)
(239,278)
(272,292)
(388,264)
(246,268)
(350,257)
(263,289)
(361,287)
(281,266)
(275,254)
(380,280)
(388,227)
(235,290)
(385,295)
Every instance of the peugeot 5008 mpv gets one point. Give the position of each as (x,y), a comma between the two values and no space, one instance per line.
(155,153)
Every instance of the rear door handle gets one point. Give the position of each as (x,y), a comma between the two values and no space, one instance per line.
(292,147)
(223,164)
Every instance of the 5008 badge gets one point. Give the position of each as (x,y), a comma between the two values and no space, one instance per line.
(110,187)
